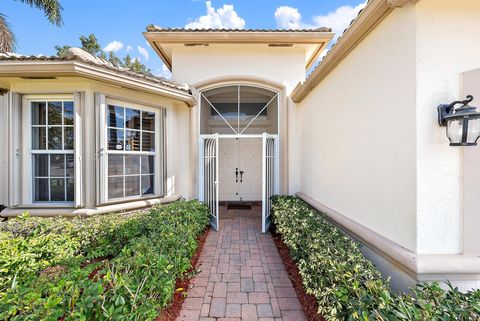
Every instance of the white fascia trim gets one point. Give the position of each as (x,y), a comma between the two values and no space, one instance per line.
(113,208)
(76,68)
(419,266)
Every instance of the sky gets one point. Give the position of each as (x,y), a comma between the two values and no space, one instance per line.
(118,25)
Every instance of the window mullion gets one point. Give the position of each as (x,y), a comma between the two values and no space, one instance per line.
(123,171)
(46,125)
(48,180)
(65,177)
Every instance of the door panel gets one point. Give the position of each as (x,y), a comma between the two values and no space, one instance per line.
(251,165)
(229,155)
(240,155)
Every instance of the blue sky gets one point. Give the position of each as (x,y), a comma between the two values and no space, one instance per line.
(121,23)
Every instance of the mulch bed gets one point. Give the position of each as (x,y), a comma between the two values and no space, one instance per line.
(172,312)
(309,302)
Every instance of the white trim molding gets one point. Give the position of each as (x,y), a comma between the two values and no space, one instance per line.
(75,68)
(421,267)
(106,209)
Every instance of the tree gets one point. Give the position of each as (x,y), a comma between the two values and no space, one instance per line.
(91,45)
(135,65)
(62,51)
(52,10)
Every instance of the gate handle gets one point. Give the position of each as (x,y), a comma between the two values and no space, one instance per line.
(236,175)
(241,176)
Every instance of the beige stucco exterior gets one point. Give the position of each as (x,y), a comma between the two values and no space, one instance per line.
(359,138)
(364,161)
(380,158)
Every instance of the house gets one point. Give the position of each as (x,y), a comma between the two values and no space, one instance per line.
(357,138)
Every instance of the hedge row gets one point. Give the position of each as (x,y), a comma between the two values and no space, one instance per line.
(109,267)
(346,284)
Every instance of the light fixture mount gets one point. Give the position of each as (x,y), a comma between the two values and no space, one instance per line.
(463,123)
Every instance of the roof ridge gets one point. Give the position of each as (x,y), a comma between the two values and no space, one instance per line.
(155,28)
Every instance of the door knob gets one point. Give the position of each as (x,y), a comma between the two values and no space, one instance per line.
(241,176)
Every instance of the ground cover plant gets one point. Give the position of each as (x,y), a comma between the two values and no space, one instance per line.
(346,285)
(109,267)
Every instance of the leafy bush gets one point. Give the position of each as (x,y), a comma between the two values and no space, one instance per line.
(346,284)
(97,268)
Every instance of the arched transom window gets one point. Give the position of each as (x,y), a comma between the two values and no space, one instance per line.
(239,110)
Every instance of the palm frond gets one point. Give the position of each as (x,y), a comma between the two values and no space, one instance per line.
(7,38)
(51,8)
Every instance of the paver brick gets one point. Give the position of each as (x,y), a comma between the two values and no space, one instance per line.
(257,298)
(264,310)
(233,310)
(289,304)
(220,290)
(241,276)
(246,285)
(237,297)
(217,308)
(249,312)
(233,287)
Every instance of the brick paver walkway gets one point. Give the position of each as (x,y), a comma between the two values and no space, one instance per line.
(242,275)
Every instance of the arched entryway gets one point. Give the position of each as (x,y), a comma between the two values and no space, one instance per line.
(239,147)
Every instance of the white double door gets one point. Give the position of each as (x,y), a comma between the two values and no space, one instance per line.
(240,169)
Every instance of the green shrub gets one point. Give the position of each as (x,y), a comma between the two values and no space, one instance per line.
(347,285)
(139,257)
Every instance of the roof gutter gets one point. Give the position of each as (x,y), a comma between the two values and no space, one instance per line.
(76,68)
(374,12)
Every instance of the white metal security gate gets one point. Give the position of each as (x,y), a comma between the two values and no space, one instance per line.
(209,175)
(270,175)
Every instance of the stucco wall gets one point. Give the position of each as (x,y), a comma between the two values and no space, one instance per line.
(281,65)
(357,133)
(447,38)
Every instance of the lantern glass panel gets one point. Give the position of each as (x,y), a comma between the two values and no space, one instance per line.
(473,130)
(455,130)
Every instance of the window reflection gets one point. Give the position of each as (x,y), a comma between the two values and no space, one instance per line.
(132,132)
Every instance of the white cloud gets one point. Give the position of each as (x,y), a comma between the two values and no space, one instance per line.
(113,46)
(340,19)
(224,17)
(288,17)
(129,48)
(163,72)
(143,52)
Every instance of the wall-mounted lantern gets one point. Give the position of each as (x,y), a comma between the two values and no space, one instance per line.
(463,123)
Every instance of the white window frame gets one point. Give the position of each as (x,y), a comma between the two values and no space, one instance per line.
(27,151)
(159,153)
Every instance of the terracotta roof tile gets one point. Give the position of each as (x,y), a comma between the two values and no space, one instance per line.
(154,28)
(338,39)
(77,54)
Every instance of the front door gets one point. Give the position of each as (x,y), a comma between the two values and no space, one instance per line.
(240,169)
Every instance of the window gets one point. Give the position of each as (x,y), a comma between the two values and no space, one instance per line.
(238,109)
(52,149)
(131,149)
